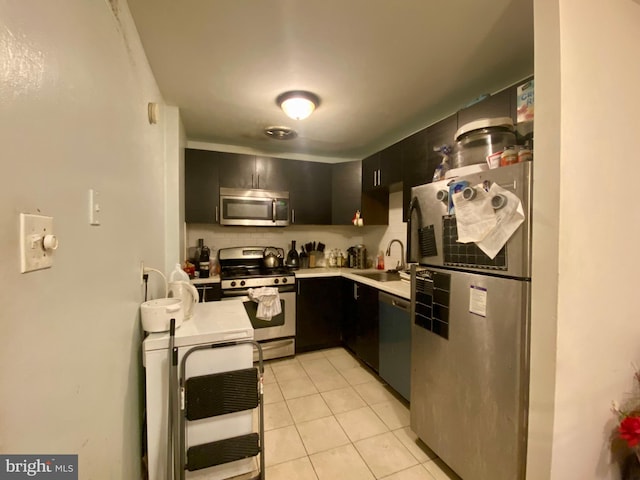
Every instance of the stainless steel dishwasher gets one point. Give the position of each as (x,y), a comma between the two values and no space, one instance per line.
(395,342)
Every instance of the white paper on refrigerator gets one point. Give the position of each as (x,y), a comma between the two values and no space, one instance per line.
(474,218)
(508,219)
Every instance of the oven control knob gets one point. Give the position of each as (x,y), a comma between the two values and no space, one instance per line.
(233,284)
(276,281)
(243,283)
(284,280)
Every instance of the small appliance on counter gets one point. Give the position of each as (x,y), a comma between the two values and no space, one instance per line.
(357,257)
(180,287)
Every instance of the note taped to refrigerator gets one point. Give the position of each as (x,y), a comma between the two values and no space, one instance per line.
(478,300)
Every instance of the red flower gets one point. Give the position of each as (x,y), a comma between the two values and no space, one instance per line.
(629,430)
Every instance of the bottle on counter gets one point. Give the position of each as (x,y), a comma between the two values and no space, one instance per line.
(293,259)
(204,259)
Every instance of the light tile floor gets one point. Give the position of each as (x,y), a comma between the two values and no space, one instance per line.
(327,418)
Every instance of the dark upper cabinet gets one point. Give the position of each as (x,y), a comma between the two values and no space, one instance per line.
(309,192)
(391,164)
(419,158)
(370,169)
(237,170)
(201,194)
(501,104)
(346,191)
(250,171)
(382,168)
(375,194)
(271,173)
(318,313)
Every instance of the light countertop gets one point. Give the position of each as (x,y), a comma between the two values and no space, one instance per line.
(401,288)
(211,322)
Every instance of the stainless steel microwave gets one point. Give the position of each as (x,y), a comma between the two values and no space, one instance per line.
(254,208)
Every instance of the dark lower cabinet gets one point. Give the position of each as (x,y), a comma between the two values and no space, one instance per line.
(318,313)
(360,324)
(209,292)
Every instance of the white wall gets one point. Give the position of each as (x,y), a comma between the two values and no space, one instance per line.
(73,116)
(598,327)
(175,143)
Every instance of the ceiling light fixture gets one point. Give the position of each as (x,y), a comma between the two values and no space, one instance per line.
(298,104)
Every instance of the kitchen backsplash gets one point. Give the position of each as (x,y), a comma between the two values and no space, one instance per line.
(375,238)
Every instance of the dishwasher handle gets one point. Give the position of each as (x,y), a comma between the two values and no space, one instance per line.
(397,302)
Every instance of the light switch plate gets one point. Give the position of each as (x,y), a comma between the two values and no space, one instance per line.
(94,207)
(33,255)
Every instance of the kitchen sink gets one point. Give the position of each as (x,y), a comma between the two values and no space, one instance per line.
(381,276)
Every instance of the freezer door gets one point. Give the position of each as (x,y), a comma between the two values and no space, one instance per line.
(433,232)
(469,390)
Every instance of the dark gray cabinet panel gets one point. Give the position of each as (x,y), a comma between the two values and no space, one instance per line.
(391,164)
(419,158)
(360,324)
(201,193)
(501,104)
(309,192)
(236,170)
(382,168)
(271,173)
(318,313)
(346,185)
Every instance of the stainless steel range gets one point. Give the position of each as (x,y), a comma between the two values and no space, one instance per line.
(242,268)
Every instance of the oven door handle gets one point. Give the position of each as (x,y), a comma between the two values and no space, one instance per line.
(244,292)
(277,344)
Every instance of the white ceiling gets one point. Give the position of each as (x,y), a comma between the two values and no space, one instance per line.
(383,69)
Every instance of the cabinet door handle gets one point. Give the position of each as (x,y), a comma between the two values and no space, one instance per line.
(375,175)
(217,214)
(355,291)
(379,177)
(258,186)
(298,285)
(273,211)
(293,215)
(252,179)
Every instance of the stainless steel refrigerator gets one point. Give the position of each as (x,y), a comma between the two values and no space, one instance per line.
(470,329)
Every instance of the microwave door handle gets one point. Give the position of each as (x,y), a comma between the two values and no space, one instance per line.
(273,210)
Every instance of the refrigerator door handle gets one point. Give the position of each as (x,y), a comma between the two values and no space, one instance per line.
(413,205)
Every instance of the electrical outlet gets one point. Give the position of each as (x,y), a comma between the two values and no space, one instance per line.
(37,242)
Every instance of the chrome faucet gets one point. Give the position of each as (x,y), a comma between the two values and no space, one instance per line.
(401,264)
